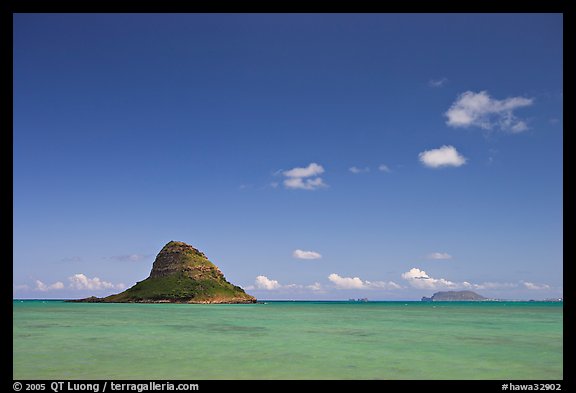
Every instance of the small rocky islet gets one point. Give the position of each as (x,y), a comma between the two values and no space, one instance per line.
(180,274)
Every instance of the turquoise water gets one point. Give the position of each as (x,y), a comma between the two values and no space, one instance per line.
(288,340)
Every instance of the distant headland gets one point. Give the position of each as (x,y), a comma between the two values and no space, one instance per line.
(180,274)
(467,296)
(449,296)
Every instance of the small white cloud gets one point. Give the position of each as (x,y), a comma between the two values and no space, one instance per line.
(315,287)
(82,282)
(439,255)
(415,273)
(304,178)
(57,285)
(301,254)
(533,286)
(519,126)
(267,284)
(510,285)
(442,157)
(304,184)
(263,282)
(381,285)
(480,110)
(346,282)
(384,168)
(495,285)
(420,279)
(312,169)
(356,170)
(291,286)
(437,82)
(357,283)
(40,286)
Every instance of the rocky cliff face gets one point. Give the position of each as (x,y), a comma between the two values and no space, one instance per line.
(181,274)
(179,257)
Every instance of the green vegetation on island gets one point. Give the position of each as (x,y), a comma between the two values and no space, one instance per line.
(180,274)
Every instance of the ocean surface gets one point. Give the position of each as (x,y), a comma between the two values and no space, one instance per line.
(288,340)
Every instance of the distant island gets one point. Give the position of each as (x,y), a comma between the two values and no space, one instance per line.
(450,296)
(180,274)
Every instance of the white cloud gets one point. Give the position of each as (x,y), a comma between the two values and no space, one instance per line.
(439,255)
(384,168)
(304,178)
(267,284)
(263,282)
(346,282)
(533,286)
(381,285)
(437,82)
(81,282)
(480,110)
(40,286)
(441,157)
(301,254)
(495,285)
(357,283)
(304,184)
(421,280)
(519,126)
(291,286)
(315,287)
(415,277)
(312,169)
(356,170)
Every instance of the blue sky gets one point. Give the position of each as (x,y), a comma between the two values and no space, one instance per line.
(310,156)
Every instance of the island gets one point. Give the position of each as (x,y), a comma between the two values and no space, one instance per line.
(180,274)
(450,296)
